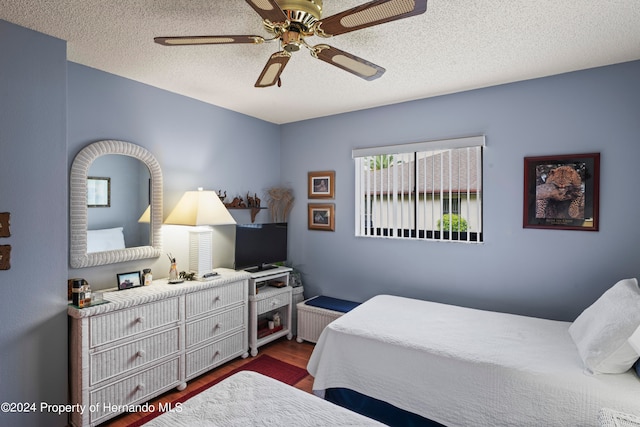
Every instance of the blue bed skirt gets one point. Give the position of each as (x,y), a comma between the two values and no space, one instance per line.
(376,409)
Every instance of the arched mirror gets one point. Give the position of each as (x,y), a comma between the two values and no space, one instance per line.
(119,180)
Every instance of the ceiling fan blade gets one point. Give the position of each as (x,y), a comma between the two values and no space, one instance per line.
(347,62)
(369,14)
(268,9)
(200,40)
(271,72)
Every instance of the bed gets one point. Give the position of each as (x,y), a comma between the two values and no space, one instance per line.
(465,367)
(250,399)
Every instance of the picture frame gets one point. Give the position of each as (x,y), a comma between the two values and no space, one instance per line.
(5,257)
(98,192)
(322,185)
(322,216)
(5,224)
(562,192)
(129,280)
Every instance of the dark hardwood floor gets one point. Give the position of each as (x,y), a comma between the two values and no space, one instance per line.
(288,351)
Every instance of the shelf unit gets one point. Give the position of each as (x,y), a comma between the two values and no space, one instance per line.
(254,211)
(265,301)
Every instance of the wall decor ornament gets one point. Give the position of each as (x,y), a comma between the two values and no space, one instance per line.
(562,192)
(322,216)
(5,218)
(5,257)
(280,203)
(322,185)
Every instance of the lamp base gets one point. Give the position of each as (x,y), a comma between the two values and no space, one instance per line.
(200,257)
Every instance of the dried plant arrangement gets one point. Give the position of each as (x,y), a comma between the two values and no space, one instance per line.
(280,203)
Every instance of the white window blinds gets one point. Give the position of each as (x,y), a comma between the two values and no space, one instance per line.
(427,190)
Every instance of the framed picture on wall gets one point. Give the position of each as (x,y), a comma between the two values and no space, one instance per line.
(322,216)
(5,223)
(322,185)
(562,192)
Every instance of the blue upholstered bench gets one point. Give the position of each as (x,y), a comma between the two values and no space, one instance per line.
(316,313)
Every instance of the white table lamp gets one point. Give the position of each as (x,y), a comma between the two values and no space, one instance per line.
(200,209)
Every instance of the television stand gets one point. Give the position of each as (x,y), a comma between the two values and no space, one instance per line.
(264,302)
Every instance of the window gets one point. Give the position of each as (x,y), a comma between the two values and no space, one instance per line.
(427,190)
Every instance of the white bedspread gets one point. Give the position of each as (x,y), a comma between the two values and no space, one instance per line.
(466,367)
(250,399)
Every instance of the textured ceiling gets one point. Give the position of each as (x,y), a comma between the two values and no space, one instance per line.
(455,46)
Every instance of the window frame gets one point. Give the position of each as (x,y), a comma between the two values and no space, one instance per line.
(419,228)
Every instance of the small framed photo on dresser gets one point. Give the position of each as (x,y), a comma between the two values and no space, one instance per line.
(129,280)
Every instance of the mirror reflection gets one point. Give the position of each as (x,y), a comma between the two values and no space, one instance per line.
(118,226)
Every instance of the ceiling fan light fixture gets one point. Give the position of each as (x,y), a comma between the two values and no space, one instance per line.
(291,41)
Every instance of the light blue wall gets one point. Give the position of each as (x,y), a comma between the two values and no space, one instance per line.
(33,189)
(196,144)
(545,273)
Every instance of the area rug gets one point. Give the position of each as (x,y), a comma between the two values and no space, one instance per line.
(264,364)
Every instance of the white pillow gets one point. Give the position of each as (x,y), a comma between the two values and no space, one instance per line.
(107,239)
(601,333)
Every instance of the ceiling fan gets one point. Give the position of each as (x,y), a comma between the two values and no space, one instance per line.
(291,21)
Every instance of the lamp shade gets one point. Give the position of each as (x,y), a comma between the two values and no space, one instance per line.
(146,215)
(200,208)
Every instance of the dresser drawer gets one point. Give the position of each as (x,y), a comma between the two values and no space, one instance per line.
(216,325)
(271,303)
(217,297)
(135,389)
(119,324)
(117,360)
(215,353)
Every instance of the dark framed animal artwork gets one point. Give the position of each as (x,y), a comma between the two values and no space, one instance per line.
(562,192)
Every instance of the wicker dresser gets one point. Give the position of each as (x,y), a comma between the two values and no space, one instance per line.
(147,340)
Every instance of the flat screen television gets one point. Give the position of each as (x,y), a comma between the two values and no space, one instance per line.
(258,246)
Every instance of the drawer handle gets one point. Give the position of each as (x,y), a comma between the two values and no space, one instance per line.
(140,387)
(217,326)
(140,319)
(216,299)
(216,354)
(275,302)
(141,353)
